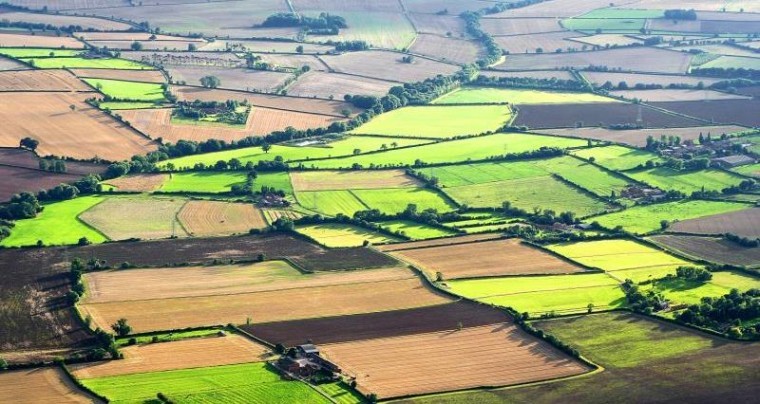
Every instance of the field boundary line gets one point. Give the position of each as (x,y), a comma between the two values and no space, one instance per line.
(88,225)
(81,387)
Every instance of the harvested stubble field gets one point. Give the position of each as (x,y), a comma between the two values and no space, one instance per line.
(519,26)
(401,366)
(738,112)
(485,95)
(48,118)
(294,61)
(606,40)
(324,85)
(212,218)
(58,20)
(632,79)
(39,41)
(336,294)
(340,180)
(122,218)
(174,355)
(710,249)
(446,49)
(141,182)
(538,43)
(439,242)
(386,65)
(438,24)
(676,95)
(388,30)
(40,80)
(486,258)
(235,79)
(41,385)
(10,64)
(17,180)
(387,324)
(533,74)
(264,46)
(338,235)
(638,59)
(261,121)
(142,76)
(574,115)
(638,137)
(133,36)
(745,223)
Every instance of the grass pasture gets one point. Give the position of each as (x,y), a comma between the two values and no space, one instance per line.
(84,63)
(331,202)
(437,122)
(57,224)
(648,218)
(617,157)
(128,90)
(338,235)
(687,182)
(122,218)
(19,53)
(395,200)
(212,182)
(679,291)
(414,230)
(477,95)
(231,383)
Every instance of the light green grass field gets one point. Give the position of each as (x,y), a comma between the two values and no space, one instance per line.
(415,231)
(457,151)
(244,383)
(82,63)
(336,235)
(687,182)
(38,52)
(647,218)
(330,202)
(166,337)
(117,105)
(480,95)
(617,157)
(752,170)
(437,121)
(586,176)
(735,62)
(342,393)
(395,200)
(204,181)
(339,148)
(566,301)
(128,90)
(528,193)
(57,224)
(679,291)
(276,180)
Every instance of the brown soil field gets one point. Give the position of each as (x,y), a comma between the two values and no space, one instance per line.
(438,242)
(61,131)
(738,112)
(548,42)
(632,79)
(261,121)
(536,74)
(146,76)
(294,61)
(638,137)
(98,24)
(23,158)
(261,307)
(138,182)
(42,385)
(486,258)
(221,280)
(491,355)
(324,85)
(16,180)
(438,24)
(710,249)
(235,79)
(745,223)
(212,218)
(386,324)
(133,36)
(340,180)
(39,41)
(10,64)
(569,8)
(144,218)
(519,26)
(298,104)
(41,80)
(446,49)
(174,355)
(638,59)
(386,65)
(570,115)
(676,95)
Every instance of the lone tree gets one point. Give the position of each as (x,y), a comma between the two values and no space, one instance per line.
(29,143)
(210,81)
(136,46)
(121,328)
(266,147)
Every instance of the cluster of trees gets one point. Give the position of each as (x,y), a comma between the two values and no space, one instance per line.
(210,81)
(694,164)
(539,216)
(21,206)
(643,302)
(528,82)
(324,24)
(493,50)
(624,126)
(664,141)
(743,241)
(731,72)
(349,46)
(693,274)
(681,14)
(52,165)
(522,321)
(27,205)
(726,314)
(223,112)
(623,85)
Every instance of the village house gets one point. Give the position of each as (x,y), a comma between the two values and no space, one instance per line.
(305,361)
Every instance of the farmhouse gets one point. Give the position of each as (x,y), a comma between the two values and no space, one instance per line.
(733,161)
(305,361)
(637,192)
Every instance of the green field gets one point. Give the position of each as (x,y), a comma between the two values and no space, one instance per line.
(331,203)
(57,224)
(480,95)
(167,337)
(437,121)
(245,383)
(680,291)
(457,151)
(38,52)
(414,230)
(342,393)
(83,63)
(751,170)
(395,200)
(623,259)
(612,19)
(543,192)
(128,90)
(648,218)
(204,181)
(118,105)
(335,235)
(687,181)
(541,294)
(587,176)
(733,62)
(617,157)
(345,146)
